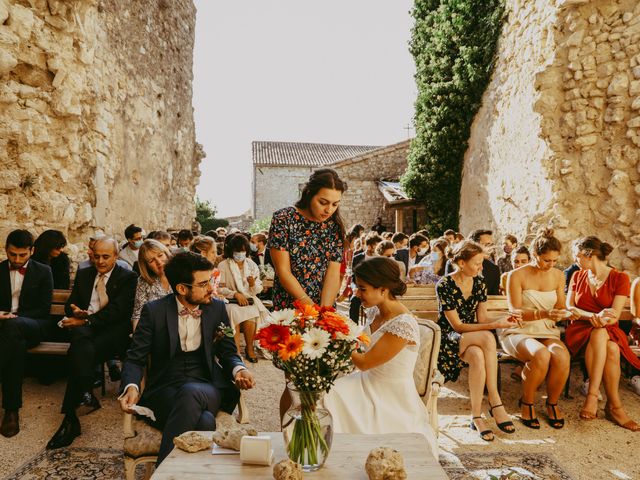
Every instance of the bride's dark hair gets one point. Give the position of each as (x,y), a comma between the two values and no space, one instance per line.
(382,272)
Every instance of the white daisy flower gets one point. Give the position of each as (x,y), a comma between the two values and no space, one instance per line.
(316,341)
(283,317)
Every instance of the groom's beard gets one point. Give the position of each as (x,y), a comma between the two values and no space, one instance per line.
(199,300)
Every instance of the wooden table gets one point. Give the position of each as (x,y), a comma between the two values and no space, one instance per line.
(346,460)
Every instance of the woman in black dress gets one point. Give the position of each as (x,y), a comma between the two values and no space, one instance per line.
(47,249)
(467,337)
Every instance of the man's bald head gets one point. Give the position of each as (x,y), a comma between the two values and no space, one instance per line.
(105,254)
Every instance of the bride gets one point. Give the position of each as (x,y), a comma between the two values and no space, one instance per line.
(381,397)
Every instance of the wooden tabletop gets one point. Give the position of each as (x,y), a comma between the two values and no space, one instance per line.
(346,460)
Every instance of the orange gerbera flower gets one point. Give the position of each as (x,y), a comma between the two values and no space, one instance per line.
(291,348)
(364,338)
(272,336)
(333,323)
(306,310)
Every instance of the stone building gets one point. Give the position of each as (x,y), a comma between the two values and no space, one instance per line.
(280,170)
(96,122)
(557,139)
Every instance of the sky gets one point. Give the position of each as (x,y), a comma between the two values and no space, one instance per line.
(296,71)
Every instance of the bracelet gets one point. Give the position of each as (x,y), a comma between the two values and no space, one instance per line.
(536,314)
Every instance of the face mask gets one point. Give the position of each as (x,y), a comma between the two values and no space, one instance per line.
(137,244)
(422,252)
(239,256)
(254,247)
(435,256)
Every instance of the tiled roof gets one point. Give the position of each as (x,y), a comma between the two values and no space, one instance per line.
(303,154)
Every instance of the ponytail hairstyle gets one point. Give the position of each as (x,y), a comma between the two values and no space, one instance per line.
(382,272)
(545,242)
(323,178)
(592,245)
(465,250)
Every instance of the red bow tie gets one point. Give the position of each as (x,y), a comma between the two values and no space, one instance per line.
(193,313)
(261,254)
(20,270)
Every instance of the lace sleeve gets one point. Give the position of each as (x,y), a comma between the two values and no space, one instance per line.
(403,326)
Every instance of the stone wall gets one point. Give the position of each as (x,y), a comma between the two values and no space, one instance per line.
(277,187)
(96,121)
(556,140)
(363,202)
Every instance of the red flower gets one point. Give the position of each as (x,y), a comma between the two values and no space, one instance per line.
(272,336)
(333,323)
(327,309)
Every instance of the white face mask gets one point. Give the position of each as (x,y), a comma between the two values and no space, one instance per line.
(422,252)
(239,256)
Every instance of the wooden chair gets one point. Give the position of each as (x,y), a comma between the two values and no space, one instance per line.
(142,441)
(426,376)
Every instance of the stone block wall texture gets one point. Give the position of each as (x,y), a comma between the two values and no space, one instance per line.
(363,202)
(96,120)
(557,139)
(277,187)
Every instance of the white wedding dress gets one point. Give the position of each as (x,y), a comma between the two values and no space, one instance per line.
(383,399)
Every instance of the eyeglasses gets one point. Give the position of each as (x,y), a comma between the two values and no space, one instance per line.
(200,285)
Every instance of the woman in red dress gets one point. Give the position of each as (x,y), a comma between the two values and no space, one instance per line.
(597,295)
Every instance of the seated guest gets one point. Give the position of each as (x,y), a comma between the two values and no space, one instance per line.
(212,234)
(152,282)
(185,238)
(259,253)
(185,387)
(222,232)
(520,256)
(431,269)
(89,260)
(174,242)
(161,236)
(206,247)
(418,248)
(490,271)
(597,295)
(467,336)
(536,291)
(371,243)
(240,281)
(400,240)
(504,262)
(129,252)
(450,236)
(47,249)
(385,249)
(26,288)
(99,322)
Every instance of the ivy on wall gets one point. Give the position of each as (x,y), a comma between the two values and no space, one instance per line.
(453,44)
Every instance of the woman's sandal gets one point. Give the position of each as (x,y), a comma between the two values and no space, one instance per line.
(249,358)
(586,414)
(484,435)
(555,422)
(532,422)
(630,425)
(504,425)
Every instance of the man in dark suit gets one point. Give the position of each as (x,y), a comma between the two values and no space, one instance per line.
(194,361)
(418,248)
(26,288)
(490,271)
(99,322)
(259,253)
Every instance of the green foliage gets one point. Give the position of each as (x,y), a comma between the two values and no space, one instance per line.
(206,216)
(261,224)
(453,44)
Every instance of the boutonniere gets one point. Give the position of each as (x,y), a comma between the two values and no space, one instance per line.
(222,331)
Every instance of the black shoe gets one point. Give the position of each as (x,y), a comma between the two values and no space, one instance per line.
(69,429)
(114,373)
(88,404)
(486,435)
(506,427)
(10,424)
(532,422)
(555,422)
(249,358)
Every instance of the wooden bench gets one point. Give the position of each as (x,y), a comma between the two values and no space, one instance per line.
(58,301)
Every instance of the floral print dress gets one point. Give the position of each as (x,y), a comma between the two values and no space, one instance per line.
(450,298)
(311,246)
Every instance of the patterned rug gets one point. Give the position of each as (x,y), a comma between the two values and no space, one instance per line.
(502,466)
(74,463)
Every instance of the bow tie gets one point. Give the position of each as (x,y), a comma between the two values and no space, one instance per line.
(20,270)
(194,313)
(261,254)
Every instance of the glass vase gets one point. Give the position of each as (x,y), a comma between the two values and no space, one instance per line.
(307,429)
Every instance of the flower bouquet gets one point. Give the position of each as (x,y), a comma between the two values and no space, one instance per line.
(312,345)
(267,272)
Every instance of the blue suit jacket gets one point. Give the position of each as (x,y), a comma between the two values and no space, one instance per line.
(156,340)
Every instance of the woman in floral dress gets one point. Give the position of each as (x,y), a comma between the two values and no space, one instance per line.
(306,244)
(467,337)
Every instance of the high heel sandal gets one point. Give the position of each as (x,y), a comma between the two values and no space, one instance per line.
(532,422)
(484,435)
(249,358)
(630,425)
(504,425)
(586,414)
(555,422)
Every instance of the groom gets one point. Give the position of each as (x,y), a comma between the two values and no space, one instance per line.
(192,363)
